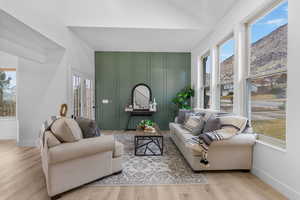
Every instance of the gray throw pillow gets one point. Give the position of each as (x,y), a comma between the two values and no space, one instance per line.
(212,124)
(89,127)
(190,114)
(194,124)
(181,117)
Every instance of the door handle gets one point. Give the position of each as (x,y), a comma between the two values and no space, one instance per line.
(105,101)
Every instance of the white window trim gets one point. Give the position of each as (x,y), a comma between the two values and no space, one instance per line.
(202,84)
(230,36)
(246,40)
(241,36)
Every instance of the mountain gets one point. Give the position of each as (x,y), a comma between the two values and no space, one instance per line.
(268,55)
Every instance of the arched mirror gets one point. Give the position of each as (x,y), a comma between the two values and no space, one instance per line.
(141,97)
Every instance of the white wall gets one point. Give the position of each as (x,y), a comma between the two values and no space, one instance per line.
(43,86)
(280,168)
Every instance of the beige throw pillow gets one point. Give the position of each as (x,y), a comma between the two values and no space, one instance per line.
(66,130)
(194,124)
(52,141)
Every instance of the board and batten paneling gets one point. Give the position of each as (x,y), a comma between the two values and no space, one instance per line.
(118,72)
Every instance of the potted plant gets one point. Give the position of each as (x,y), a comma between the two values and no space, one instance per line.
(145,124)
(182,98)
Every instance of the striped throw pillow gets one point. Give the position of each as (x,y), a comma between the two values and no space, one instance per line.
(194,124)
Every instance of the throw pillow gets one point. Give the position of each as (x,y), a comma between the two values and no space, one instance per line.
(181,118)
(52,141)
(66,130)
(194,124)
(88,127)
(212,124)
(190,114)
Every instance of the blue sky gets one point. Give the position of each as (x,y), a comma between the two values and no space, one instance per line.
(12,75)
(260,28)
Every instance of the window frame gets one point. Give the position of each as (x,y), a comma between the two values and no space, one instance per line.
(248,78)
(230,36)
(73,96)
(203,84)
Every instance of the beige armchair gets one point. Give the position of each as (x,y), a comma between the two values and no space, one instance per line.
(69,165)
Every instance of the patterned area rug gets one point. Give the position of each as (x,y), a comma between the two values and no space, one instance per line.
(171,168)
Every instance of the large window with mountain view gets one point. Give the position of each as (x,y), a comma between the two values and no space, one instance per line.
(7,92)
(206,81)
(226,58)
(267,80)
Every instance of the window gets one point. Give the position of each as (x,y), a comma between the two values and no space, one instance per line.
(267,79)
(77,95)
(7,92)
(88,99)
(206,81)
(226,52)
(82,96)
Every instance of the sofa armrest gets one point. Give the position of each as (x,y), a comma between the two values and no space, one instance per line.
(81,148)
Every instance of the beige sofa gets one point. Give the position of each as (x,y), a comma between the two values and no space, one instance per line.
(69,165)
(232,154)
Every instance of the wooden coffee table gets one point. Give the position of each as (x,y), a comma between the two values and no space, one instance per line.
(149,142)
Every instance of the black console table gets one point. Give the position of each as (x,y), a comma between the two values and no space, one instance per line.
(138,113)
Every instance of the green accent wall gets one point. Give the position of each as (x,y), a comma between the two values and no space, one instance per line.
(118,72)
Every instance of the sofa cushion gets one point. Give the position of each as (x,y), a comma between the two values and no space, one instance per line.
(238,140)
(52,141)
(88,127)
(182,115)
(180,132)
(66,130)
(212,124)
(118,149)
(194,125)
(81,148)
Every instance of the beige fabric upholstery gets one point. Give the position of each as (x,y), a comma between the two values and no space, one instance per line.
(67,175)
(118,149)
(66,130)
(52,141)
(81,148)
(232,154)
(74,128)
(69,165)
(237,121)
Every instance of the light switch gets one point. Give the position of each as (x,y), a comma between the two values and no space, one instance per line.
(105,101)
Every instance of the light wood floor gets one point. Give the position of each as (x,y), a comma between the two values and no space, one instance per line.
(21,178)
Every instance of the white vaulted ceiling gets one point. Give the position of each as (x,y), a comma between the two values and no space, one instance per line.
(205,11)
(144,25)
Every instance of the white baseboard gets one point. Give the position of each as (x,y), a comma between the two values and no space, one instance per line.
(8,137)
(27,143)
(284,189)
